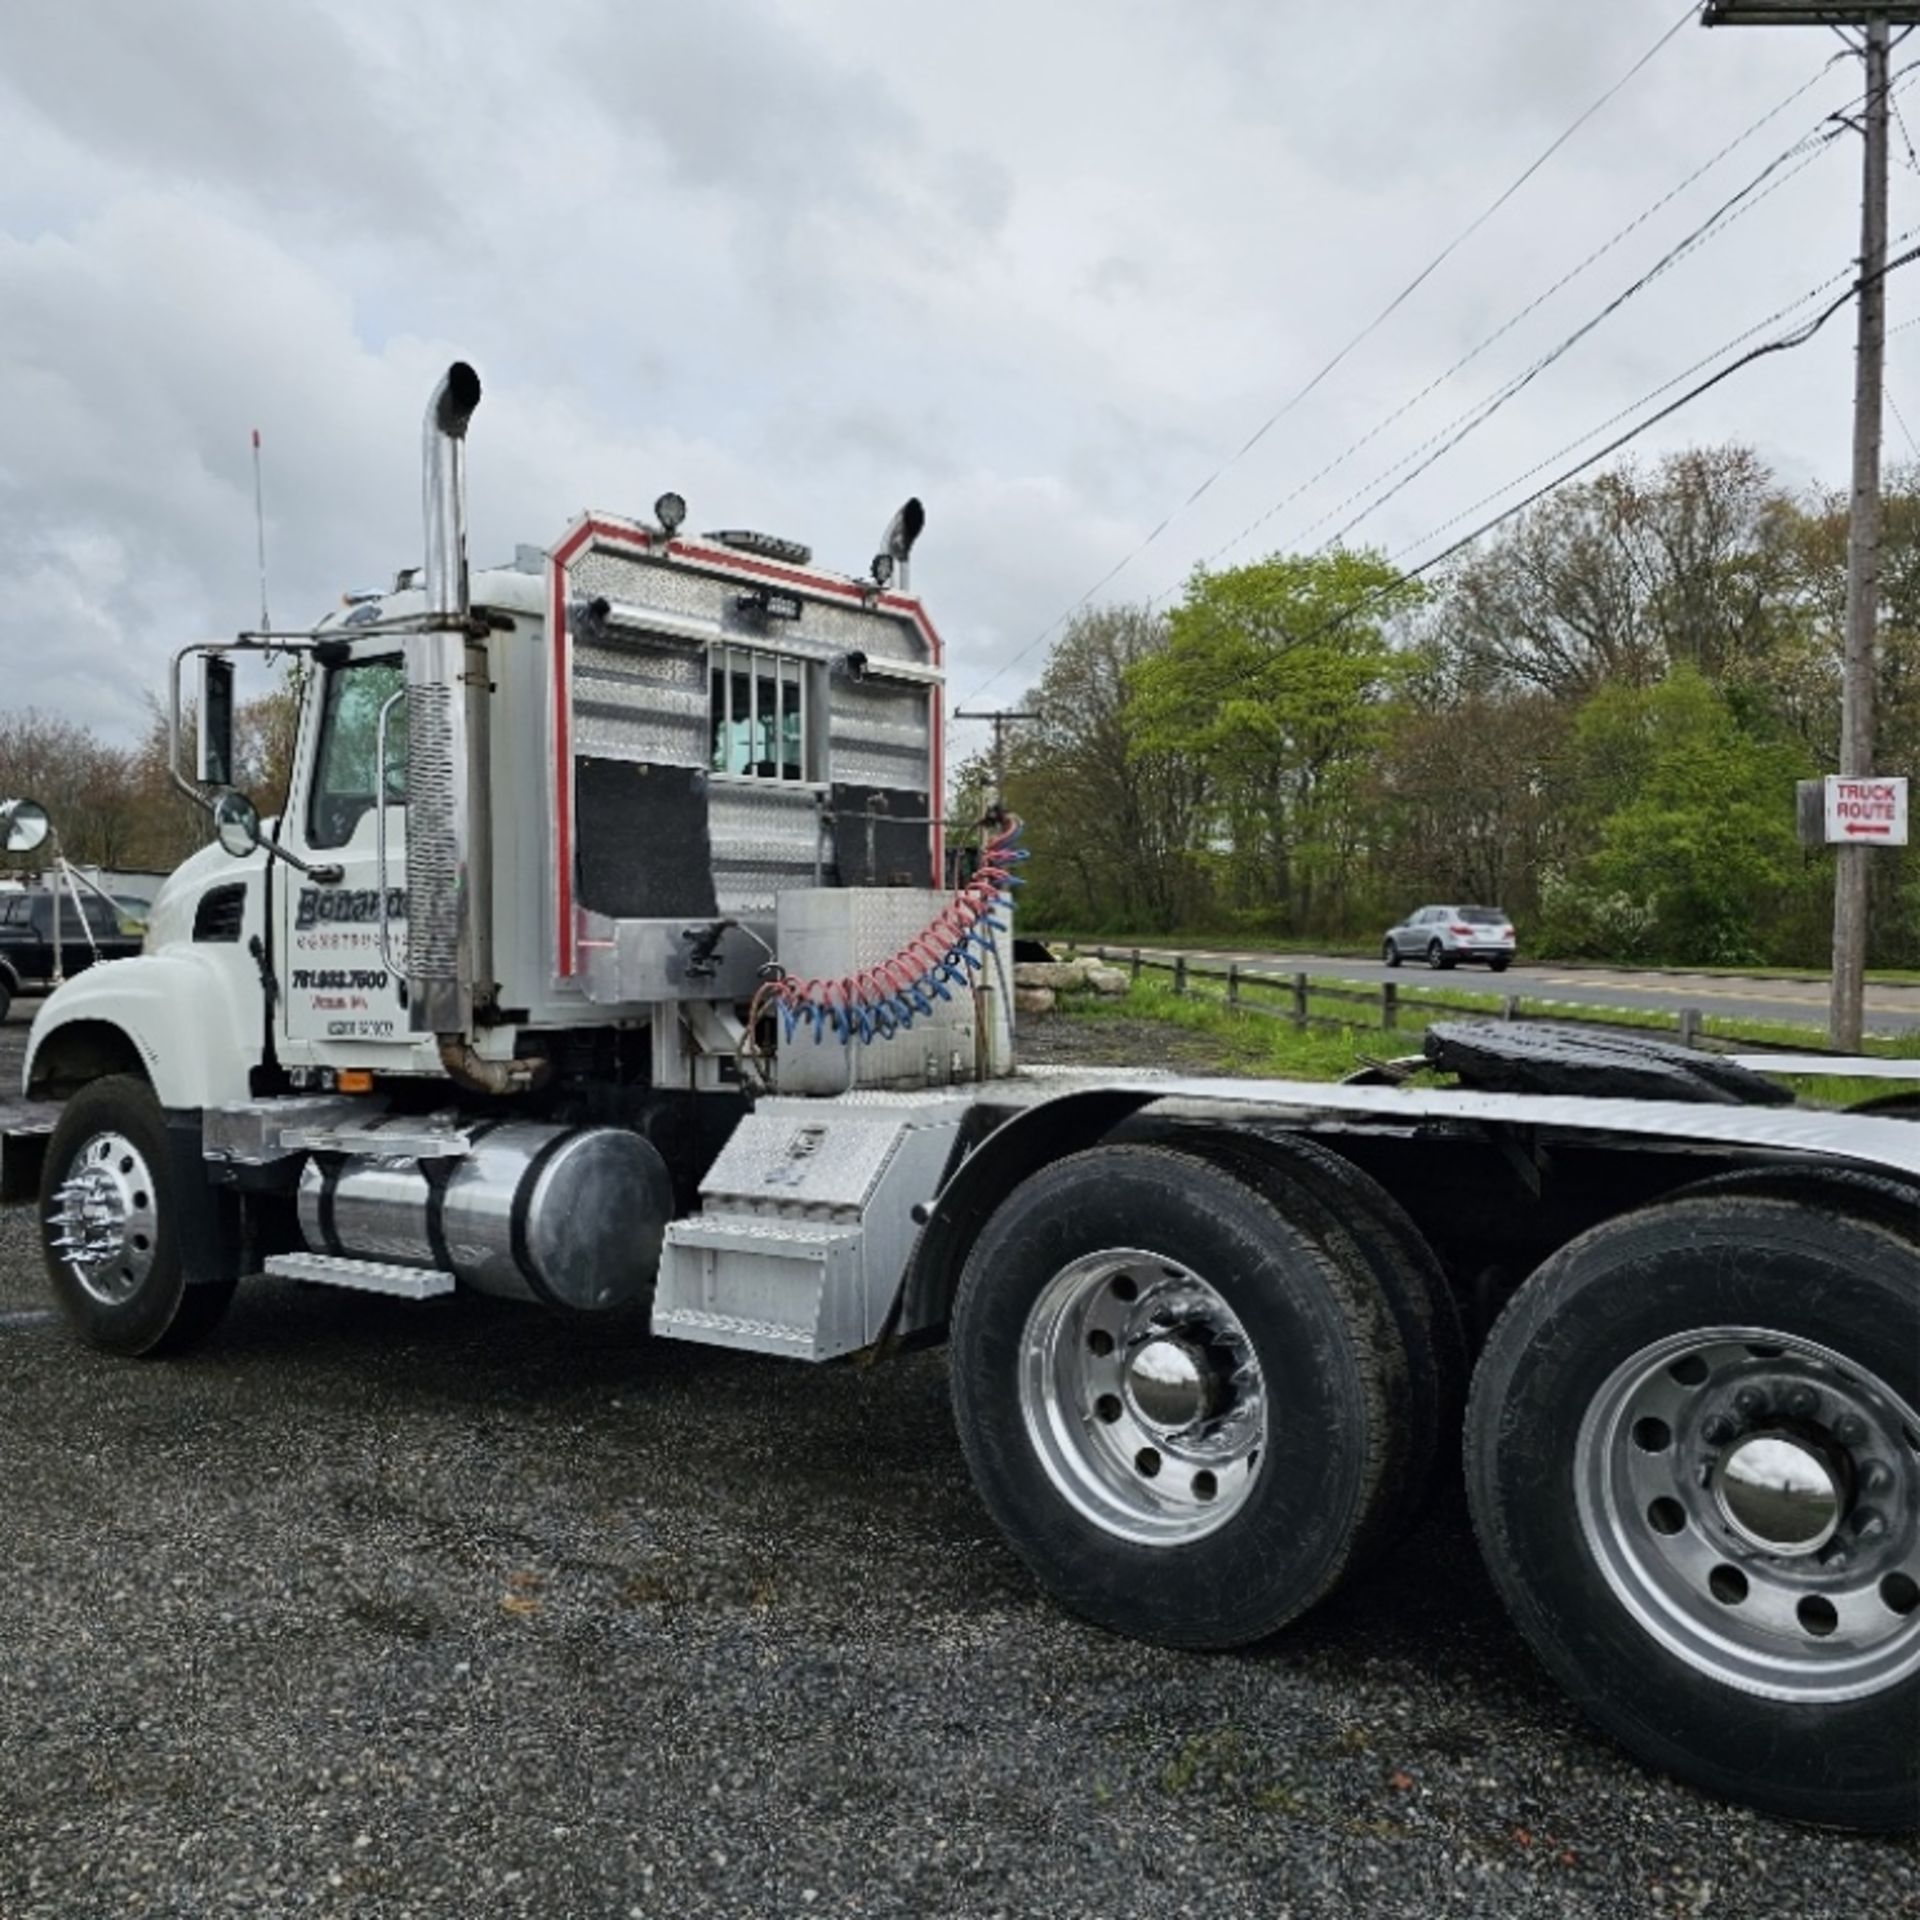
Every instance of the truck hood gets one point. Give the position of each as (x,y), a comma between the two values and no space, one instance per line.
(174,907)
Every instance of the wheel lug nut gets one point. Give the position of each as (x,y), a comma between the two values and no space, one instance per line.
(1803,1403)
(1869,1524)
(1718,1431)
(1750,1401)
(1850,1430)
(1876,1476)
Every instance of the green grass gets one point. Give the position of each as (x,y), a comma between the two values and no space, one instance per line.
(1419,1006)
(1259,1038)
(1246,1042)
(1233,940)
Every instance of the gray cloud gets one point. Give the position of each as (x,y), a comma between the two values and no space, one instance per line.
(1049,266)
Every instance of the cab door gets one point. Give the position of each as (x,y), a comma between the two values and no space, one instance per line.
(343,987)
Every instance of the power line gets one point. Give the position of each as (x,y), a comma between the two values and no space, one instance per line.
(1366,333)
(1526,313)
(1787,343)
(1807,299)
(1464,424)
(1718,223)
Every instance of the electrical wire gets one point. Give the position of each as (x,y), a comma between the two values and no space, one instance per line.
(1843,277)
(1787,343)
(1465,424)
(1339,359)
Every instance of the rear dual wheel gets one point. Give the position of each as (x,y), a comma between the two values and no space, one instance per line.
(1693,1454)
(1188,1414)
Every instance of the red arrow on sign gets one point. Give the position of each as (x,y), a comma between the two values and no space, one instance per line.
(1854,828)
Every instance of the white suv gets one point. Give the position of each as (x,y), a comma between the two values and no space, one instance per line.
(1444,936)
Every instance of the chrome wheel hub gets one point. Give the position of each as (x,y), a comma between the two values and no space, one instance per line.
(1753,1500)
(103,1225)
(1142,1397)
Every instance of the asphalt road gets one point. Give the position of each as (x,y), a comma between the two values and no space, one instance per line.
(1890,1010)
(376,1609)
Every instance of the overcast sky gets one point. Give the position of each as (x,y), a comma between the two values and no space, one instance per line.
(1047,265)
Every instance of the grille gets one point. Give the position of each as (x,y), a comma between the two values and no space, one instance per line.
(433,837)
(220,913)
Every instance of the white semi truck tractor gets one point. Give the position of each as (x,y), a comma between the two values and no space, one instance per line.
(605,956)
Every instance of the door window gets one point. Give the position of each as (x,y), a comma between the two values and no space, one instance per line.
(344,774)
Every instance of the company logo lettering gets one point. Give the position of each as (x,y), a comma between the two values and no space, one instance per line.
(329,906)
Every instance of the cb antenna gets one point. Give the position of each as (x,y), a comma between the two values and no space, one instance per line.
(260,529)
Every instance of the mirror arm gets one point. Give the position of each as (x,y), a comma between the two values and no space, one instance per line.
(326,875)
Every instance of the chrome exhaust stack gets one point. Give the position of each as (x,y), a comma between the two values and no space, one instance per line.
(443,492)
(446,916)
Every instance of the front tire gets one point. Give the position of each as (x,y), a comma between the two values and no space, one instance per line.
(1182,1413)
(1693,1455)
(110,1226)
(1391,954)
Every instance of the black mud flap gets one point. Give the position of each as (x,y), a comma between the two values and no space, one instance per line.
(24,1134)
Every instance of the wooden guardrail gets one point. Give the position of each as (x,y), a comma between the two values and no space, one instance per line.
(1390,1008)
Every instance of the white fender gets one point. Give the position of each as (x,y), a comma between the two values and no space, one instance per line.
(194,1015)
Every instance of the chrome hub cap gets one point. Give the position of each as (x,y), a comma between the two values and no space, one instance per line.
(1780,1494)
(1142,1397)
(1754,1501)
(103,1225)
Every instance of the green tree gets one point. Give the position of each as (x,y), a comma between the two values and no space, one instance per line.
(1276,682)
(1693,824)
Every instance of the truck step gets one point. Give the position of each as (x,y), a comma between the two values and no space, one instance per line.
(364,1276)
(761,1285)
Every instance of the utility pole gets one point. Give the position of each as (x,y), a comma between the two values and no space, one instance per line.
(1863,554)
(1001,721)
(1852,868)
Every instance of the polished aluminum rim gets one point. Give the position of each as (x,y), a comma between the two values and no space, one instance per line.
(1754,1501)
(1142,1397)
(104,1225)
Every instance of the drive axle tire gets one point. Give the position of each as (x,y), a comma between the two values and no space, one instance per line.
(1181,1412)
(1355,1219)
(1693,1455)
(1438,958)
(109,1226)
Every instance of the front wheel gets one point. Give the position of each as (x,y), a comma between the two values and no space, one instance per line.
(1390,954)
(1693,1454)
(1185,1415)
(110,1226)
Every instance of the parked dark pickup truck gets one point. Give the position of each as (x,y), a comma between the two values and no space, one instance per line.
(27,939)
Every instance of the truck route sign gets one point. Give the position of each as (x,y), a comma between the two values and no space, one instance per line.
(1869,812)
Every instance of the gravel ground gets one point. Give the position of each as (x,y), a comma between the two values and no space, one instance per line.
(379,1609)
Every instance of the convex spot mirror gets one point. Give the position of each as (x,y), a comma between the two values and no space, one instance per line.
(23,825)
(236,824)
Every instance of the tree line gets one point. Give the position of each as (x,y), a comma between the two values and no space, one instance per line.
(1595,720)
(115,806)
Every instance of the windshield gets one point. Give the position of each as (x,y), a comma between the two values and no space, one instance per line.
(343,786)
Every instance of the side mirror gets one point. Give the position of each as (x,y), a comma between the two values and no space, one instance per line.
(236,824)
(216,722)
(23,825)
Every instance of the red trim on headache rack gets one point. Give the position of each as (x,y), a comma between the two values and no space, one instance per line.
(722,560)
